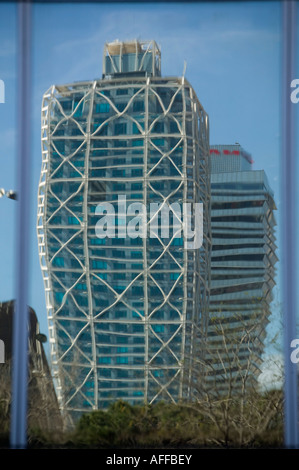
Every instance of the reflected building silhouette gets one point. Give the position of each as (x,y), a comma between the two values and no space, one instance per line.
(43,409)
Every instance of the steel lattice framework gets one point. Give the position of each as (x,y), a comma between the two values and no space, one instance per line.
(123,313)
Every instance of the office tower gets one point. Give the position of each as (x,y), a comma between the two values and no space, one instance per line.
(242,265)
(124,311)
(229,159)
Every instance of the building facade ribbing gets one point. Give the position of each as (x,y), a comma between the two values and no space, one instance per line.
(242,266)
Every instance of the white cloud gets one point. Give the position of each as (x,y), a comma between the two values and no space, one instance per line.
(201,46)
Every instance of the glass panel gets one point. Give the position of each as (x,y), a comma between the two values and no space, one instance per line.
(150,319)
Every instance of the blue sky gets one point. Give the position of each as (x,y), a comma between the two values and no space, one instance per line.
(233,54)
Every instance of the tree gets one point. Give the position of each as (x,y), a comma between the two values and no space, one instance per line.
(225,388)
(43,413)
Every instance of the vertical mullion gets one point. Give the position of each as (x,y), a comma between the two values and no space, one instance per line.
(289,223)
(18,435)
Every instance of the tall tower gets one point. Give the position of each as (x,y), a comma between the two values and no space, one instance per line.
(242,267)
(123,311)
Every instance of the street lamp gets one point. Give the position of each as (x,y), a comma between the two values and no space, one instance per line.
(10,194)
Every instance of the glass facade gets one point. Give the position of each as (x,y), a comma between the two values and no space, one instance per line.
(123,311)
(229,158)
(242,267)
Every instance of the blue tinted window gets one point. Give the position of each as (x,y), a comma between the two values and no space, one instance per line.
(59,296)
(74,221)
(158,328)
(105,360)
(58,261)
(120,128)
(138,106)
(102,108)
(122,360)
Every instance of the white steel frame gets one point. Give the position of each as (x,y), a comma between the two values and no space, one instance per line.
(193,177)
